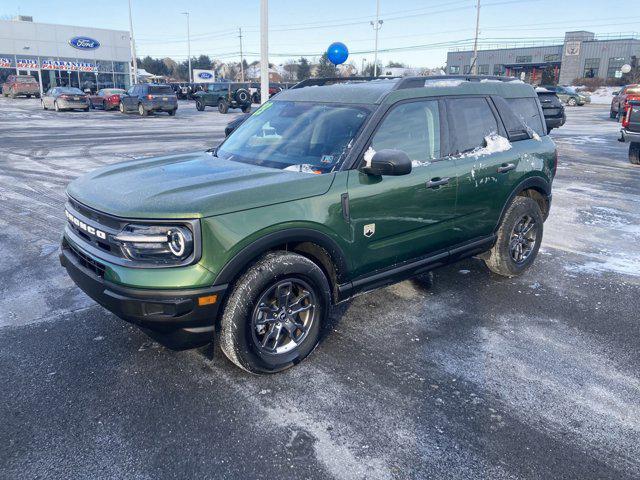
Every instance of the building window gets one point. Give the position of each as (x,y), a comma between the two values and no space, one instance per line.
(591,67)
(524,59)
(552,57)
(498,70)
(454,69)
(614,65)
(483,69)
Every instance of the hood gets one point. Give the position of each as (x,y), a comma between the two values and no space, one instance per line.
(190,186)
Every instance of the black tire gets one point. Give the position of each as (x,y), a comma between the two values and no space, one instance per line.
(143,112)
(44,107)
(55,106)
(612,114)
(121,108)
(28,95)
(246,108)
(199,106)
(86,109)
(172,112)
(242,96)
(634,153)
(241,338)
(223,107)
(502,258)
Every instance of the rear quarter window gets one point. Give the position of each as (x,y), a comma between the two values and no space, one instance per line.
(527,110)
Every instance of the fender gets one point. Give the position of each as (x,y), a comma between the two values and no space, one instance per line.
(532,182)
(292,235)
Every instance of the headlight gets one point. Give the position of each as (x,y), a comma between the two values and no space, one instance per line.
(163,244)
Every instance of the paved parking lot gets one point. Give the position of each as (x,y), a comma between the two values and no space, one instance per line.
(477,377)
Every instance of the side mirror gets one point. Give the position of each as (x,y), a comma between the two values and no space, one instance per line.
(389,162)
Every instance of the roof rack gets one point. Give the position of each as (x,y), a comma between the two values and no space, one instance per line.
(418,82)
(318,82)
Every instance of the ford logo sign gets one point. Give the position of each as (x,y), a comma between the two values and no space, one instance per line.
(205,75)
(84,43)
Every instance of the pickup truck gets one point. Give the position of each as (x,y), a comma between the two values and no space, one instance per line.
(630,131)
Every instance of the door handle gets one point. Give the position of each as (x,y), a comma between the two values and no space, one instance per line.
(506,167)
(437,182)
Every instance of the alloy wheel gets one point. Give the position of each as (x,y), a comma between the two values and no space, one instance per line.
(523,239)
(283,316)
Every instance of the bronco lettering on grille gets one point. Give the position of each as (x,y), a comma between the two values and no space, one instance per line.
(84,227)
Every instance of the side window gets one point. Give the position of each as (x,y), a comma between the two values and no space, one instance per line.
(413,128)
(131,90)
(471,121)
(527,110)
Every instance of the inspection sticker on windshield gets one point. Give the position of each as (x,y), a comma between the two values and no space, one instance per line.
(264,107)
(326,159)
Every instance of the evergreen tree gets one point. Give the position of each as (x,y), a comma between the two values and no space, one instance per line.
(304,69)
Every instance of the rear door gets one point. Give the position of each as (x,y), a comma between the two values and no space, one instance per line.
(397,218)
(485,165)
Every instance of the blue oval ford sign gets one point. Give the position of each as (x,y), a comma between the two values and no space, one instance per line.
(205,75)
(84,43)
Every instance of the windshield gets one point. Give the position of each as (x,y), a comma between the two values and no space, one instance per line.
(299,136)
(73,90)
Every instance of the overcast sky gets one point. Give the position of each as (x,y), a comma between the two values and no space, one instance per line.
(416,32)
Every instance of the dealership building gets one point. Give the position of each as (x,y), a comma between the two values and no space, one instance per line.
(582,54)
(62,55)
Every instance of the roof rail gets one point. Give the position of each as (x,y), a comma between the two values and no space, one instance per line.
(318,82)
(418,82)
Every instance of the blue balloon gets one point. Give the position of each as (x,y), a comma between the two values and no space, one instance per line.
(337,53)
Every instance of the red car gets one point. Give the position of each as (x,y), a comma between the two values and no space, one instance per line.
(20,85)
(620,100)
(106,98)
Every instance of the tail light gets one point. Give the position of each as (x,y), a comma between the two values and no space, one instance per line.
(149,97)
(627,116)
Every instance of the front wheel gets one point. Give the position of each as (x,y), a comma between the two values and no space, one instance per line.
(634,153)
(172,112)
(273,317)
(121,107)
(199,106)
(223,107)
(56,107)
(572,102)
(518,240)
(246,108)
(44,107)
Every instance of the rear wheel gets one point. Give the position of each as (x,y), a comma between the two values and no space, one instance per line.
(172,112)
(612,114)
(634,153)
(273,317)
(142,111)
(223,107)
(121,107)
(246,108)
(518,239)
(86,109)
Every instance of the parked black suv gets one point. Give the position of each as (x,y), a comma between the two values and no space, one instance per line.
(552,108)
(224,95)
(630,131)
(149,97)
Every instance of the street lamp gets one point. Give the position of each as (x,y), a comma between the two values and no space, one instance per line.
(133,47)
(264,51)
(188,46)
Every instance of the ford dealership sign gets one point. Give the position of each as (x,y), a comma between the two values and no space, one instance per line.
(205,75)
(84,43)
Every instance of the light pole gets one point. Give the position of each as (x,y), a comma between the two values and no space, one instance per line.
(376,26)
(241,57)
(132,43)
(264,51)
(474,62)
(362,69)
(189,46)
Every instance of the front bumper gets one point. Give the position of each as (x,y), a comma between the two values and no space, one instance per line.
(173,317)
(627,136)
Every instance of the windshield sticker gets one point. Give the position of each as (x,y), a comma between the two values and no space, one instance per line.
(263,108)
(326,159)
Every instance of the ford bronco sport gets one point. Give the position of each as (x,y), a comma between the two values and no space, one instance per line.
(224,95)
(320,194)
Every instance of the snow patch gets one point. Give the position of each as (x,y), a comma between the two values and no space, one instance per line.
(444,83)
(495,144)
(302,168)
(368,156)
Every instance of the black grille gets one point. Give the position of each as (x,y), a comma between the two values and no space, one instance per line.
(84,260)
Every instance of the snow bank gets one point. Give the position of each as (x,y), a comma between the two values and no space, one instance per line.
(603,95)
(302,168)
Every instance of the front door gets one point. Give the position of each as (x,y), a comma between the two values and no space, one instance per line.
(130,100)
(398,218)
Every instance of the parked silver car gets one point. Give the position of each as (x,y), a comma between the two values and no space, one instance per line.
(65,98)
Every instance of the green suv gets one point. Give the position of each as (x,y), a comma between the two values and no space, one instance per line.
(320,194)
(224,95)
